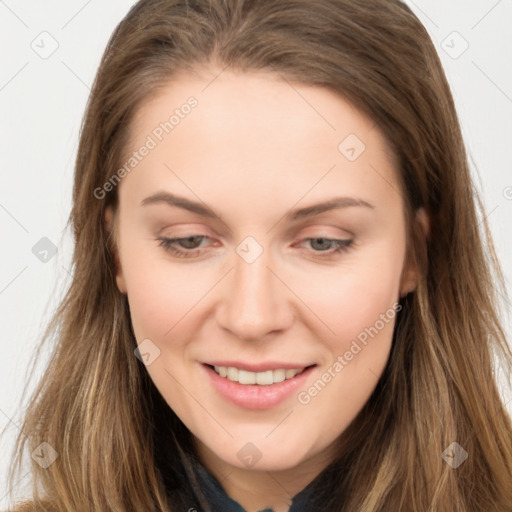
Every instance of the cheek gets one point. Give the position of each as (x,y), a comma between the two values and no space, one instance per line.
(160,295)
(361,308)
(347,299)
(354,297)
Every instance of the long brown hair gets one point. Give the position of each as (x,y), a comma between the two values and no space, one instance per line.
(92,404)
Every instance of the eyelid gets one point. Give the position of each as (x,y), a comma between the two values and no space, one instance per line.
(328,229)
(207,233)
(182,230)
(340,247)
(322,231)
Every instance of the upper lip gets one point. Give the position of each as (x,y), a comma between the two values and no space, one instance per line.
(259,367)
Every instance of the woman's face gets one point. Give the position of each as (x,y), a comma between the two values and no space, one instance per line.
(292,257)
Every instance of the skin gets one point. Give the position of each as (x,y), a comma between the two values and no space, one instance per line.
(254,148)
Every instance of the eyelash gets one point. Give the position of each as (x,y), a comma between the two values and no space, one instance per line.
(168,244)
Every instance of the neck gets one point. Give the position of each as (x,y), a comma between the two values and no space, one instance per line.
(256,490)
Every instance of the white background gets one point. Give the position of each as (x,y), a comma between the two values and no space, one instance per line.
(42,102)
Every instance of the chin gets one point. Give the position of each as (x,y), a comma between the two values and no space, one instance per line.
(263,455)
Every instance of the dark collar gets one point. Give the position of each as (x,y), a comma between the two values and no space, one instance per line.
(190,486)
(215,495)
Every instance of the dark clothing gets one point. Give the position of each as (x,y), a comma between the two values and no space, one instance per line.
(220,501)
(191,487)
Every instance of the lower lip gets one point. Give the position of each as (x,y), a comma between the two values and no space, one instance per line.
(254,396)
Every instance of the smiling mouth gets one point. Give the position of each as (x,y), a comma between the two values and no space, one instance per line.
(266,378)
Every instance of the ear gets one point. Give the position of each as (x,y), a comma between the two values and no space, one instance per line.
(410,273)
(111,224)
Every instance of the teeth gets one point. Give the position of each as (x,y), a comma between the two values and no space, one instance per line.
(232,374)
(288,374)
(263,378)
(279,375)
(245,377)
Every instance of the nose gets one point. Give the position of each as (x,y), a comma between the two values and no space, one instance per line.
(255,302)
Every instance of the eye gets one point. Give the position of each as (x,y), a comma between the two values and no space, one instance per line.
(190,246)
(188,243)
(328,246)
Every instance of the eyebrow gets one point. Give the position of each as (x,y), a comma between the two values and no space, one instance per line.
(297,214)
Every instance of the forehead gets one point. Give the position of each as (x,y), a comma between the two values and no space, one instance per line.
(254,131)
(255,104)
